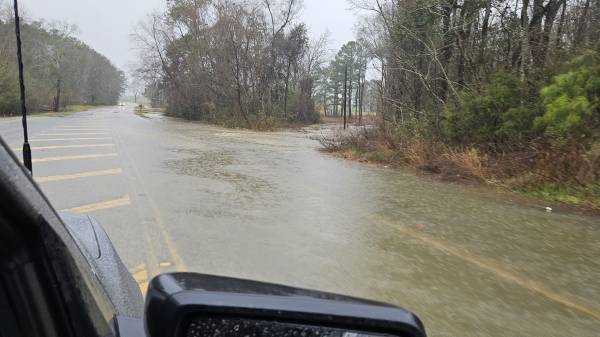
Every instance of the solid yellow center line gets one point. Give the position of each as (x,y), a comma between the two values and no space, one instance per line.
(56,147)
(78,175)
(61,139)
(85,156)
(498,270)
(100,205)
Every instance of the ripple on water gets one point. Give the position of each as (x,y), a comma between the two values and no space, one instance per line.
(214,165)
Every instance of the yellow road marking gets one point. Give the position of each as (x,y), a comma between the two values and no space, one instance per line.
(78,175)
(74,134)
(141,276)
(84,156)
(171,247)
(61,139)
(56,147)
(179,265)
(137,268)
(495,268)
(101,205)
(143,287)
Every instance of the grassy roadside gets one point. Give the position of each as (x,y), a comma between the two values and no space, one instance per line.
(69,110)
(265,124)
(583,197)
(465,166)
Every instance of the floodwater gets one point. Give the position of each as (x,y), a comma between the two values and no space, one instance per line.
(469,261)
(269,206)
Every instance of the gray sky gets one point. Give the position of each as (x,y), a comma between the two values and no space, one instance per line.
(106,25)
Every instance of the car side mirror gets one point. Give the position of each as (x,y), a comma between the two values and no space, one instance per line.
(187,304)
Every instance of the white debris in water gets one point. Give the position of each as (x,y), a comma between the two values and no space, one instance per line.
(549,209)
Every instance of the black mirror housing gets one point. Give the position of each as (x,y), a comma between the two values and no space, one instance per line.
(179,302)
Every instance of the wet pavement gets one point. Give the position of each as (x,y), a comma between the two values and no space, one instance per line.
(177,195)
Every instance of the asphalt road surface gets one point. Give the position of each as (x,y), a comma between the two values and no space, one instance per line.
(184,196)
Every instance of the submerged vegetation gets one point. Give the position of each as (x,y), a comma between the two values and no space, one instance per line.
(504,92)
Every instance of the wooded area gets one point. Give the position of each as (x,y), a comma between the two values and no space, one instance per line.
(498,90)
(60,70)
(495,90)
(246,63)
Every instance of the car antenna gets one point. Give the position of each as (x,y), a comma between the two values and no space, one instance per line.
(26,147)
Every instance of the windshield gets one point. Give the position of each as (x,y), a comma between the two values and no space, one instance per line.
(439,155)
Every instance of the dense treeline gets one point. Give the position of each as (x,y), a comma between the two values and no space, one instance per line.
(60,70)
(247,63)
(503,90)
(437,52)
(349,68)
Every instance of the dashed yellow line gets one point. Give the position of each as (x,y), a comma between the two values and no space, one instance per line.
(140,275)
(84,156)
(101,205)
(61,139)
(56,147)
(498,270)
(179,264)
(78,175)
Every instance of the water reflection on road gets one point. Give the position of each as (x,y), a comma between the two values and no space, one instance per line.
(468,261)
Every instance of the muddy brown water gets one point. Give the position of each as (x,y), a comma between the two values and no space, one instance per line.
(468,261)
(270,206)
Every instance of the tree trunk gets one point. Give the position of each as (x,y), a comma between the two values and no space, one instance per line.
(447,48)
(535,31)
(57,98)
(287,84)
(345,91)
(361,100)
(560,25)
(484,32)
(581,34)
(350,97)
(525,50)
(461,38)
(357,94)
(336,99)
(551,11)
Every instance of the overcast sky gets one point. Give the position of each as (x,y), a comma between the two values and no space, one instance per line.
(106,25)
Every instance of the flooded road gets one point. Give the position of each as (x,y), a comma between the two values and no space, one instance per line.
(269,206)
(471,263)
